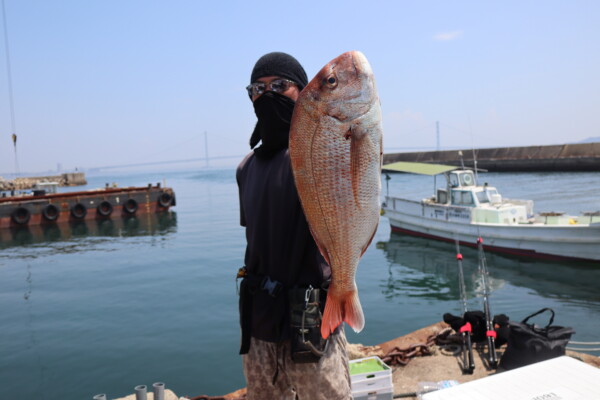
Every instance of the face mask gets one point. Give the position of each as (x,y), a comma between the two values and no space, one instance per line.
(274,112)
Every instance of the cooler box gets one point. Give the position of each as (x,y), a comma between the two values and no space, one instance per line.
(371,379)
(560,378)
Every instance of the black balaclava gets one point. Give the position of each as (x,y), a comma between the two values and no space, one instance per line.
(274,110)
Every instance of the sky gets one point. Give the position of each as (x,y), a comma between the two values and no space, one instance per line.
(117,82)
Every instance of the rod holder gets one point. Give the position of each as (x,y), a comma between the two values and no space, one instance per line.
(140,392)
(101,396)
(159,390)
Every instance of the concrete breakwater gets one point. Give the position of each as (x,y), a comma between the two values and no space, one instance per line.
(66,179)
(564,157)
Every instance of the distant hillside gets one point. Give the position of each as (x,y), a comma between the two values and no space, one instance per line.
(591,140)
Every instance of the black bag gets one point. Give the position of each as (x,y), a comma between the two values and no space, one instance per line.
(528,343)
(307,344)
(475,318)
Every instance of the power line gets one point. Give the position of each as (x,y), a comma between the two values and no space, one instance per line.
(10,88)
(9,72)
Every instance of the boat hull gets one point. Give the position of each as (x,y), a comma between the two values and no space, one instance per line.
(16,212)
(558,242)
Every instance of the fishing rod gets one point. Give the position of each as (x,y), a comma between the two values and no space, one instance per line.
(489,324)
(466,330)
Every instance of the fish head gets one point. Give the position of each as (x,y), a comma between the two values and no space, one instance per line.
(344,89)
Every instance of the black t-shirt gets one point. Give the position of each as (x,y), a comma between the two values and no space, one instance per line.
(279,243)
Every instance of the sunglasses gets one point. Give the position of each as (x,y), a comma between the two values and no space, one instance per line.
(279,85)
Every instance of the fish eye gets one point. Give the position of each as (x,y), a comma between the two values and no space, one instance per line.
(331,81)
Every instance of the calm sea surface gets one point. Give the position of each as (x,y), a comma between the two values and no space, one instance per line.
(101,308)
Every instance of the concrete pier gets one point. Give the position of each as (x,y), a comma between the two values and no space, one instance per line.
(564,157)
(67,179)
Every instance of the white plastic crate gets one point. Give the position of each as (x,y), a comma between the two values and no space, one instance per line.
(384,394)
(371,378)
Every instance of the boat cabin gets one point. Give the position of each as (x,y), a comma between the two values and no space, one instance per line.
(462,190)
(461,200)
(42,188)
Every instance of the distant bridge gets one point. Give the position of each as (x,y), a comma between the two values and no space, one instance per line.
(565,157)
(205,159)
(149,163)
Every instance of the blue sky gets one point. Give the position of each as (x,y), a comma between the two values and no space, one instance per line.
(116,82)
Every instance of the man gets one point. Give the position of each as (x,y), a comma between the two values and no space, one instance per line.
(281,254)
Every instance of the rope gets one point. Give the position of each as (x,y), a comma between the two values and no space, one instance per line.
(584,343)
(398,356)
(584,349)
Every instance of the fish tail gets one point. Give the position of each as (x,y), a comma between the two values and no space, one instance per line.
(342,308)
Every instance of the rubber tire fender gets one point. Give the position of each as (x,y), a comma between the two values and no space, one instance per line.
(104,209)
(165,199)
(130,206)
(21,216)
(78,211)
(50,213)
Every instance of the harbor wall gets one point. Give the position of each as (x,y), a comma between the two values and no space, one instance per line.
(66,179)
(565,157)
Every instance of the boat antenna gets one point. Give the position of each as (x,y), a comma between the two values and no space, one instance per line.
(10,89)
(462,162)
(466,330)
(475,165)
(474,153)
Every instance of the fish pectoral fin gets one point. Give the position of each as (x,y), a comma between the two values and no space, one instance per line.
(358,131)
(359,158)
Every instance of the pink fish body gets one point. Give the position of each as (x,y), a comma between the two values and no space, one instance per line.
(336,154)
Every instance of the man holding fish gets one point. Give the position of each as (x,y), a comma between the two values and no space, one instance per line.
(296,228)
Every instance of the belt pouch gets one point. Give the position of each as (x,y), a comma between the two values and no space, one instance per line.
(307,344)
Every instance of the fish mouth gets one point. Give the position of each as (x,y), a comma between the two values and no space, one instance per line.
(361,65)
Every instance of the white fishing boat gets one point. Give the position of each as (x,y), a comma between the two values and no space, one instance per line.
(464,211)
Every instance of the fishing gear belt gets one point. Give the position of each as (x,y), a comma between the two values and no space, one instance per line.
(307,344)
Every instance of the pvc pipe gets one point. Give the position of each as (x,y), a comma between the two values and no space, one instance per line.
(101,396)
(159,391)
(140,392)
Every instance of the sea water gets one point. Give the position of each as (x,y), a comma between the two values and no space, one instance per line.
(104,307)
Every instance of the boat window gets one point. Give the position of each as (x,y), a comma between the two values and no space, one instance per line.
(467,179)
(467,198)
(463,198)
(442,196)
(482,197)
(455,197)
(453,180)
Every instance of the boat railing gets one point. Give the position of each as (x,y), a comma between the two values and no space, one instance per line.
(395,203)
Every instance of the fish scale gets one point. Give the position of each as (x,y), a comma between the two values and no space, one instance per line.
(336,154)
